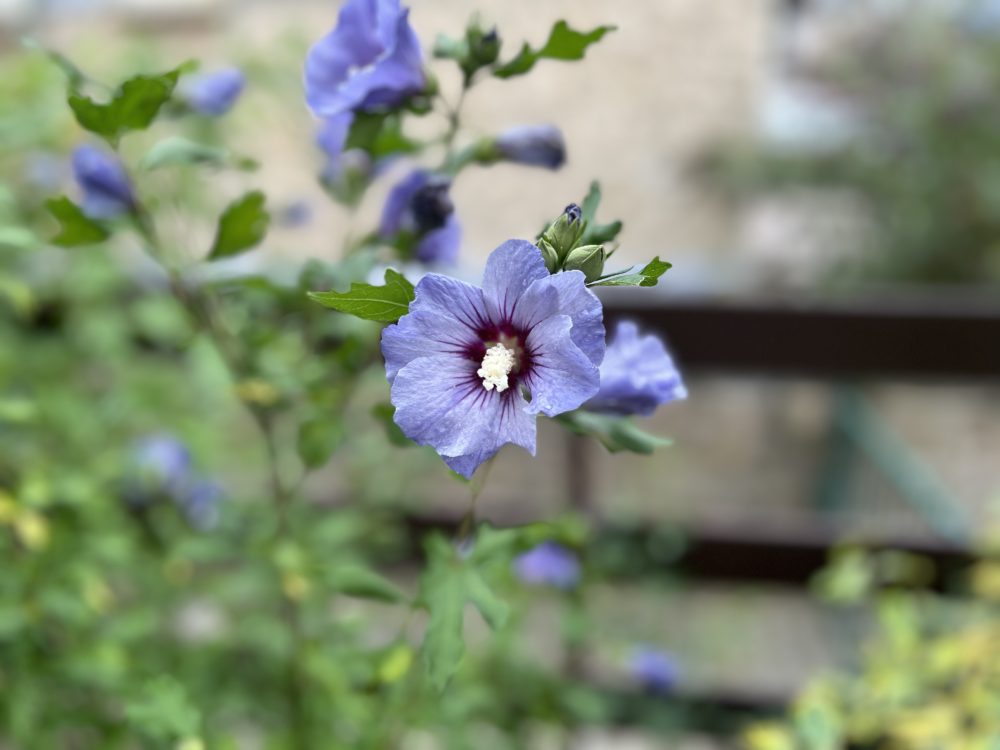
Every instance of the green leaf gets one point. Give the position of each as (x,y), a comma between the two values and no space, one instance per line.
(133,106)
(179,151)
(443,592)
(615,433)
(385,304)
(563,43)
(648,275)
(383,413)
(317,440)
(242,226)
(596,234)
(450,582)
(76,228)
(379,134)
(591,202)
(163,712)
(493,609)
(364,583)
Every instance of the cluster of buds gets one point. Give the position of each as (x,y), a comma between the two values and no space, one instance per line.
(561,248)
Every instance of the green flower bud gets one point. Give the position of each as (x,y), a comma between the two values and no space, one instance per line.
(589,259)
(484,46)
(549,255)
(565,232)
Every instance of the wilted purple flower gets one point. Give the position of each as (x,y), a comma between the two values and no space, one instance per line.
(199,501)
(637,375)
(534,145)
(549,564)
(463,359)
(107,192)
(370,60)
(655,670)
(421,206)
(159,465)
(214,93)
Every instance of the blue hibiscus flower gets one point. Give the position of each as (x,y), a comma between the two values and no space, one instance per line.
(656,670)
(532,145)
(159,465)
(107,191)
(214,93)
(637,375)
(472,367)
(548,564)
(421,205)
(370,60)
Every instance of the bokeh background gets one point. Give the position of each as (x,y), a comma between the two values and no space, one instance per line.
(791,154)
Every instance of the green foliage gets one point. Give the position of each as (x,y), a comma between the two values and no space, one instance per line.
(596,234)
(615,433)
(180,151)
(75,228)
(648,275)
(162,712)
(564,43)
(241,227)
(385,304)
(453,579)
(133,106)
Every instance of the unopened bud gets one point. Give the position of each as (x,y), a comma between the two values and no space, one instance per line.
(565,232)
(549,255)
(589,259)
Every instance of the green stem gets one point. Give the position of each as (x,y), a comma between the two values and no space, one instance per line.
(202,310)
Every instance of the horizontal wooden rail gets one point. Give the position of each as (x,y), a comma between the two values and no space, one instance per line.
(891,337)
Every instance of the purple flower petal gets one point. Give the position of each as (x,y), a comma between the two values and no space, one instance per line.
(533,145)
(441,245)
(215,93)
(562,377)
(441,400)
(548,564)
(583,306)
(107,191)
(444,318)
(510,270)
(637,375)
(371,59)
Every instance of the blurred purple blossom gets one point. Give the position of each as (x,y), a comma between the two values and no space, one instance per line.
(421,206)
(548,564)
(370,60)
(654,669)
(533,145)
(637,375)
(107,191)
(214,93)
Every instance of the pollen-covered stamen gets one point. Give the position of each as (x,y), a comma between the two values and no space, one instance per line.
(497,364)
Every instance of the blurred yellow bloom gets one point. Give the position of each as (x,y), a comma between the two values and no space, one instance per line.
(769,736)
(257,391)
(191,743)
(395,664)
(8,508)
(295,585)
(32,529)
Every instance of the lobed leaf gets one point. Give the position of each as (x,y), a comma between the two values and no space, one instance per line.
(133,106)
(385,304)
(564,43)
(648,275)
